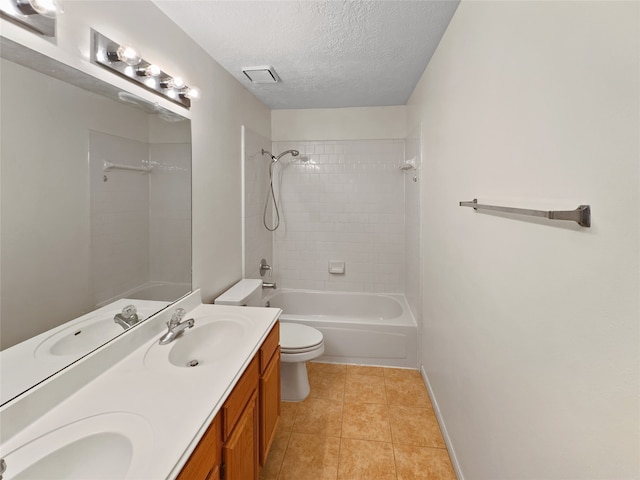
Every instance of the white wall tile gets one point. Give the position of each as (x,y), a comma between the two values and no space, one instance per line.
(345,202)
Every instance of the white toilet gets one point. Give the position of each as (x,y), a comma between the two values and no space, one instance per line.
(298,343)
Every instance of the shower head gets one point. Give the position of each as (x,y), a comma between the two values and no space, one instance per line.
(294,153)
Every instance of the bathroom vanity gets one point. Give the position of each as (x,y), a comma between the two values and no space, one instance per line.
(205,406)
(238,439)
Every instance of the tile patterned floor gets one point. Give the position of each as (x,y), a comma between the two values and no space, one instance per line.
(359,423)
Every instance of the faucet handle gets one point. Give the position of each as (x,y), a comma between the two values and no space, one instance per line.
(129,311)
(264,267)
(177,316)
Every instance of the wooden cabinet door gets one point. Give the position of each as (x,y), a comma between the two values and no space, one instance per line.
(269,404)
(204,462)
(240,451)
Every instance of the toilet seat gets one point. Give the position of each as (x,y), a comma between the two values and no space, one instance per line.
(292,351)
(297,338)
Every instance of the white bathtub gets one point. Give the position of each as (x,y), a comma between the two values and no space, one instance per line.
(358,328)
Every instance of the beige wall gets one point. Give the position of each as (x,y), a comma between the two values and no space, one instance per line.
(530,338)
(365,123)
(216,118)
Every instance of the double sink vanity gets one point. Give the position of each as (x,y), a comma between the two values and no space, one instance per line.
(202,406)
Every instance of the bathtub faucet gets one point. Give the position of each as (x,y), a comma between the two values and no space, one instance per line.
(269,285)
(128,317)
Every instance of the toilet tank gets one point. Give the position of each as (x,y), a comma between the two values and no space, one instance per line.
(247,292)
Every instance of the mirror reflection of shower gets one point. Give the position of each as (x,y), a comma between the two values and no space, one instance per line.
(271,196)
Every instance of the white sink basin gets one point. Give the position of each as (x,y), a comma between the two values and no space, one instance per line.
(114,445)
(206,343)
(83,336)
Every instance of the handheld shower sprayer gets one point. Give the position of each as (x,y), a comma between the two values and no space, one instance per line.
(271,194)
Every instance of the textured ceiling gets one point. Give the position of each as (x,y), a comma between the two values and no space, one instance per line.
(327,53)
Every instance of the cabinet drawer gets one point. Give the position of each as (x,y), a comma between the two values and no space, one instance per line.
(241,393)
(269,347)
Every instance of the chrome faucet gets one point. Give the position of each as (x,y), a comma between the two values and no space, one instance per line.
(176,326)
(269,285)
(128,317)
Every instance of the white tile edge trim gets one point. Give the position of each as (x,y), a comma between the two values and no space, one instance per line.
(443,428)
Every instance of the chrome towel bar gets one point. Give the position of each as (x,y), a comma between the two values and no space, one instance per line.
(581,215)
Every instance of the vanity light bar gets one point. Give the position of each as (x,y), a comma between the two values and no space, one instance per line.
(127,62)
(37,15)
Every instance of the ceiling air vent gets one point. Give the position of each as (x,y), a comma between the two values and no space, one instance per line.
(264,74)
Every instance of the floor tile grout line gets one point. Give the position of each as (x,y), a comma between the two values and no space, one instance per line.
(284,454)
(339,456)
(386,397)
(393,444)
(290,433)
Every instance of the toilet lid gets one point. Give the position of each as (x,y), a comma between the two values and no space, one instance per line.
(294,336)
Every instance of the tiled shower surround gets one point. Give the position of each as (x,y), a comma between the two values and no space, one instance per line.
(341,201)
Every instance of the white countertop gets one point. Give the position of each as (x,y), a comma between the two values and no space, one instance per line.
(178,403)
(27,363)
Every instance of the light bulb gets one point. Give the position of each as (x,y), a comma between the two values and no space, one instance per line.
(150,82)
(170,83)
(192,93)
(178,82)
(125,54)
(46,8)
(149,71)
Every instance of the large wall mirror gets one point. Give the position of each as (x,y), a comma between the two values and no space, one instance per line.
(95,224)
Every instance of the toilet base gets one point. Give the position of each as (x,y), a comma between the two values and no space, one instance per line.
(294,381)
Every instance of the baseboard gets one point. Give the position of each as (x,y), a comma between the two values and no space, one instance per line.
(443,428)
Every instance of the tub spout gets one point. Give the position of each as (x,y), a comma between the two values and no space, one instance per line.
(269,285)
